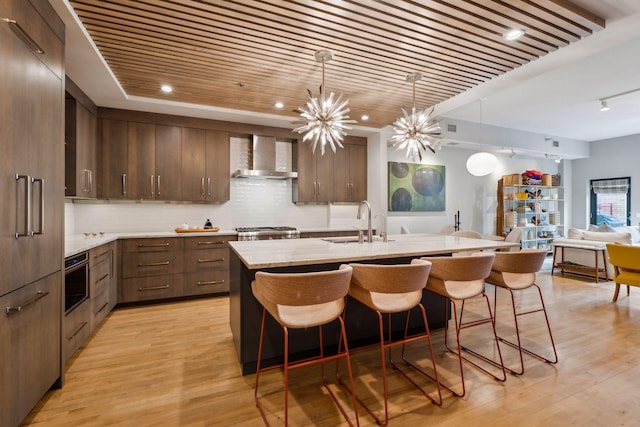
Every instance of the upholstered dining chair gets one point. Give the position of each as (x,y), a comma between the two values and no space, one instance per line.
(301,301)
(390,289)
(516,271)
(459,279)
(626,266)
(467,233)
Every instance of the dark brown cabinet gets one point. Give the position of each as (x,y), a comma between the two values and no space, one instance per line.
(114,182)
(315,175)
(30,350)
(140,161)
(154,161)
(206,264)
(32,192)
(103,282)
(168,164)
(151,269)
(350,179)
(81,129)
(205,165)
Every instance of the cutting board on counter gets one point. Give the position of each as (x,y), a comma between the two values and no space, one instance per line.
(196,230)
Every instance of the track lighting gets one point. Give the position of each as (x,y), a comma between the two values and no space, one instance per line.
(604,106)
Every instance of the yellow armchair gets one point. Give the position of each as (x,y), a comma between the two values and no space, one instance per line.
(626,265)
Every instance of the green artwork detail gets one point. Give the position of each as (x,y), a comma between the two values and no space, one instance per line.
(416,187)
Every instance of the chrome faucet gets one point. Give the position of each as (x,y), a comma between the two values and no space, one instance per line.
(369,232)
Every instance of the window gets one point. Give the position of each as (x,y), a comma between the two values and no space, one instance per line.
(610,201)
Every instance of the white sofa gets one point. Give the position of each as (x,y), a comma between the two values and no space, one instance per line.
(597,237)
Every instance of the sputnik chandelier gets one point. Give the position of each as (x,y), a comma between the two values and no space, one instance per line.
(324,119)
(415,132)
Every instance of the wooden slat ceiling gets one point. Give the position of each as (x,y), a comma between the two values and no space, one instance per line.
(247,54)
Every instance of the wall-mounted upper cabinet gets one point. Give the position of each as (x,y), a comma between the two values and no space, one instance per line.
(143,160)
(205,165)
(350,179)
(81,136)
(315,175)
(339,177)
(114,182)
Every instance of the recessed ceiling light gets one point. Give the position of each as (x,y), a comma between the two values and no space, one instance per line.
(364,117)
(513,34)
(278,104)
(166,88)
(604,106)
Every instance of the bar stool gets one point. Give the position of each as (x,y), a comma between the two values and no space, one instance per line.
(459,279)
(516,271)
(388,289)
(301,301)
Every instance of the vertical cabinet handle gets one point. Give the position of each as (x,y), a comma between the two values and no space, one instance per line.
(25,230)
(90,181)
(202,187)
(41,207)
(85,175)
(158,187)
(124,184)
(318,188)
(151,185)
(315,188)
(209,186)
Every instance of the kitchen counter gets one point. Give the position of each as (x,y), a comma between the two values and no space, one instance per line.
(77,243)
(285,253)
(300,255)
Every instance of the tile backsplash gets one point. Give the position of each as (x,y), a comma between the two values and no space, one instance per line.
(253,203)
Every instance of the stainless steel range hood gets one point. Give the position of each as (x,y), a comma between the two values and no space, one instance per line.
(262,161)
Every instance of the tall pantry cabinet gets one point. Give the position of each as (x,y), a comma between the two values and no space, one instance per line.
(32,193)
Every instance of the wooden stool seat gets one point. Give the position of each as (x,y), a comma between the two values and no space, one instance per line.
(301,301)
(516,271)
(460,278)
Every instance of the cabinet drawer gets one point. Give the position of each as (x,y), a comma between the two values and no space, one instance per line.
(206,242)
(151,264)
(99,277)
(206,259)
(30,346)
(101,254)
(150,288)
(99,308)
(76,329)
(152,245)
(206,282)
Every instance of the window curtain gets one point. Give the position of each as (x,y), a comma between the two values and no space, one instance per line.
(610,185)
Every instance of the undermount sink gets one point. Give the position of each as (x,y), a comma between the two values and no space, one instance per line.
(351,239)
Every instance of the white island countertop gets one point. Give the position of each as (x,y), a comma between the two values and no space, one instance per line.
(283,253)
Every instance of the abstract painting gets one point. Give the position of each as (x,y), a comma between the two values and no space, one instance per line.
(416,187)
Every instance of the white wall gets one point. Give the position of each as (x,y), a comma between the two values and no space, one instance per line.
(474,197)
(610,158)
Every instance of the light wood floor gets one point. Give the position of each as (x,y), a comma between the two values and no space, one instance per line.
(175,365)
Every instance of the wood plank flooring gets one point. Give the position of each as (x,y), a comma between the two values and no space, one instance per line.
(174,364)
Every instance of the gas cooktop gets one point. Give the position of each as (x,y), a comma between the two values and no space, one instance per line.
(267,233)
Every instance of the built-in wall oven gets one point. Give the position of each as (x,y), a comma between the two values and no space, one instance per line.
(76,280)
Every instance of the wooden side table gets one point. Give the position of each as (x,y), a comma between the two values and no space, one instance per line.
(577,268)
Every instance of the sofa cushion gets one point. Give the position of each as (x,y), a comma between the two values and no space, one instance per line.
(635,232)
(624,237)
(574,233)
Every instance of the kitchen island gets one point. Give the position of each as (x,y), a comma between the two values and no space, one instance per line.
(303,255)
